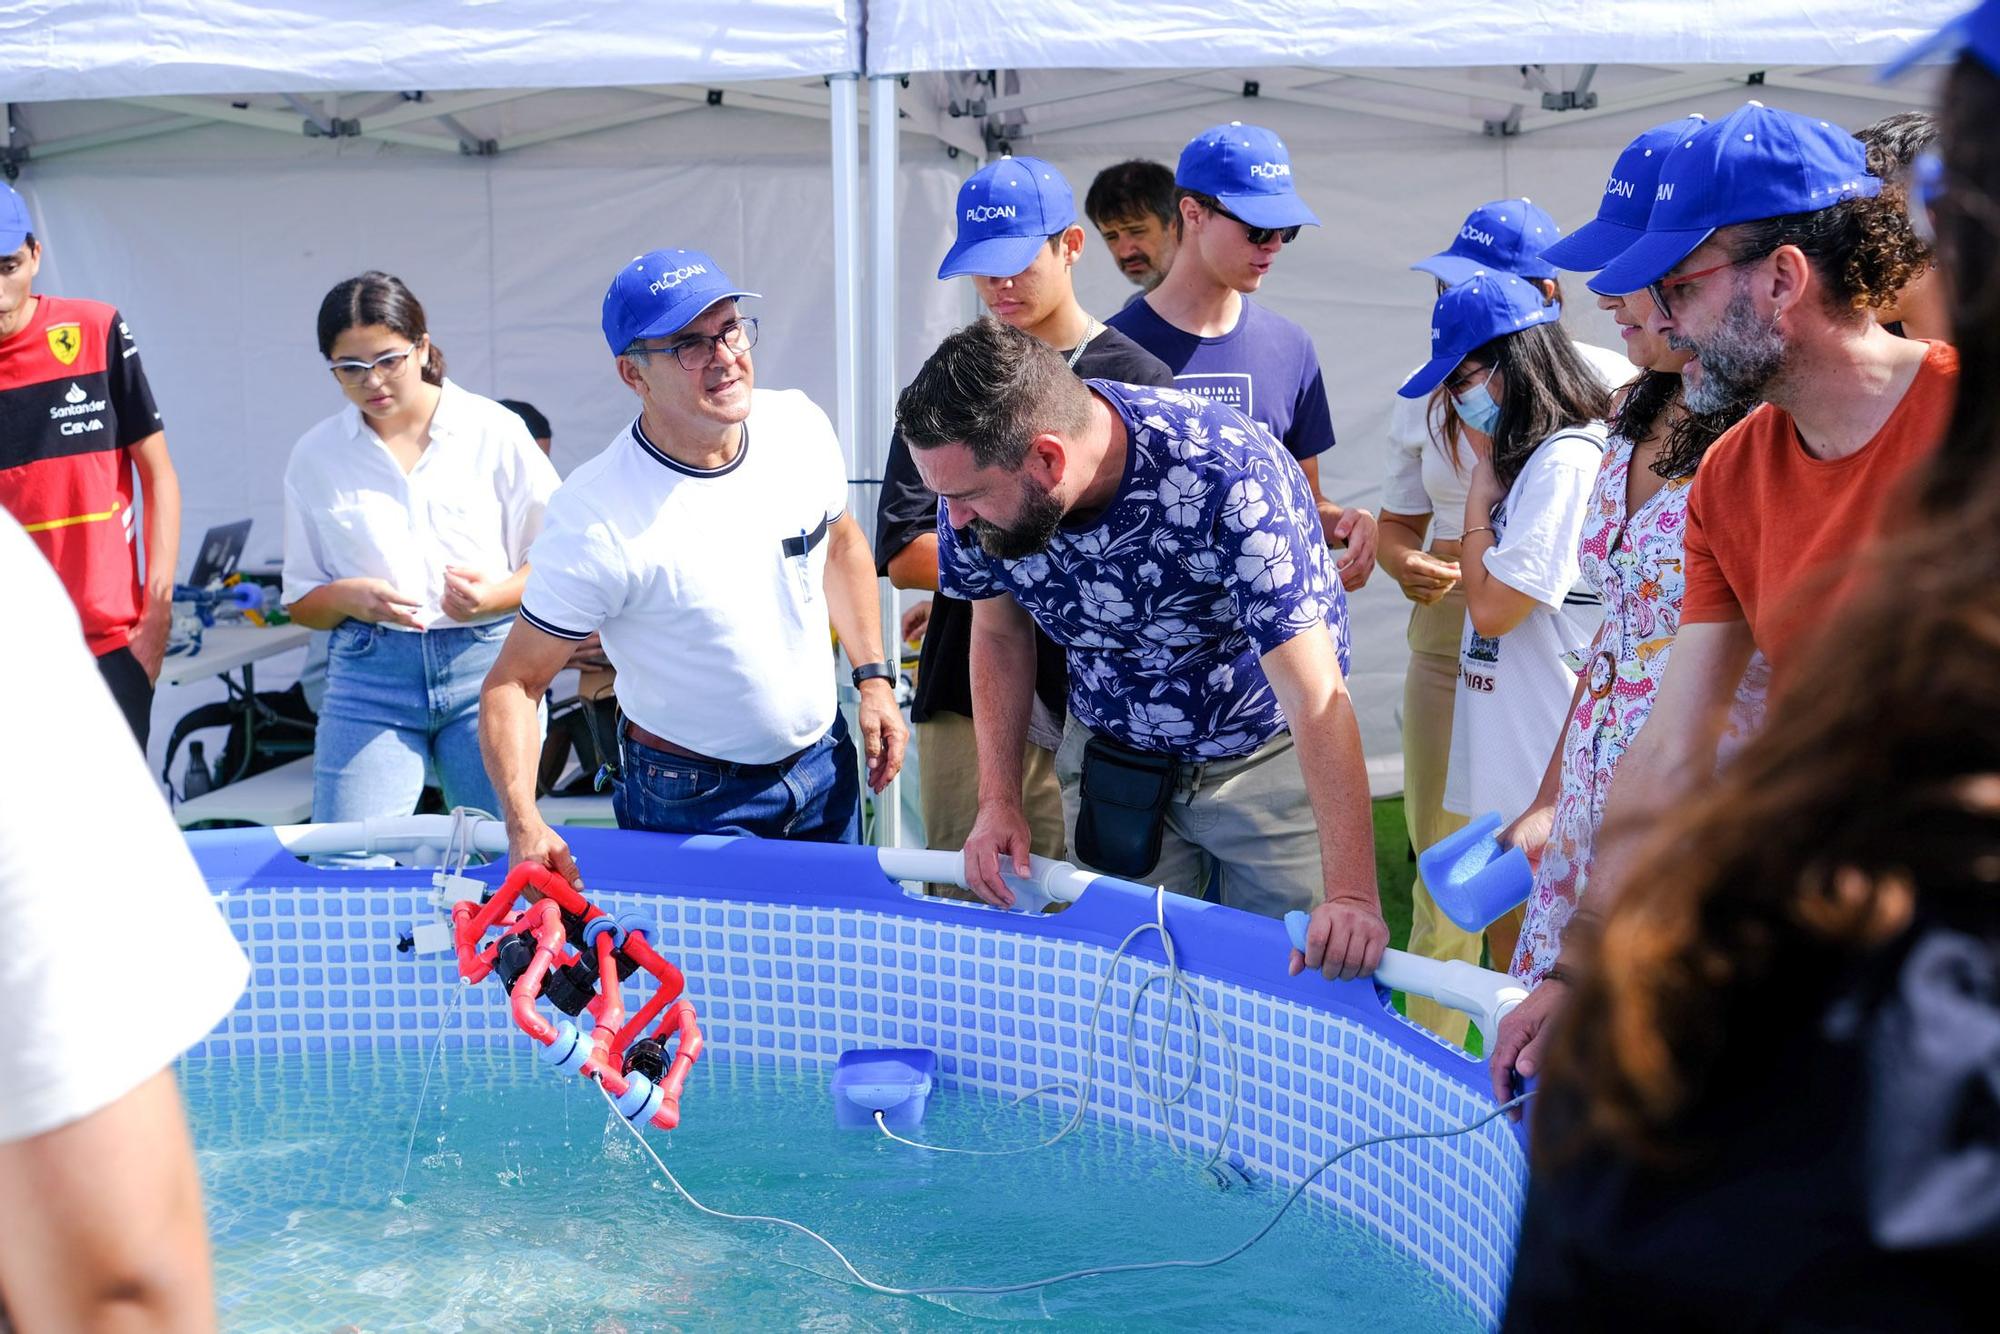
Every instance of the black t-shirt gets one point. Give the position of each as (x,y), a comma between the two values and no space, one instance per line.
(1840,1171)
(909,509)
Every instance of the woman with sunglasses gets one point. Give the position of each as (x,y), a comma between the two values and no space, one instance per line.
(408,517)
(1531,411)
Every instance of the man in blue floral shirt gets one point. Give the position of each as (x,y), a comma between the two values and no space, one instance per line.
(1172,547)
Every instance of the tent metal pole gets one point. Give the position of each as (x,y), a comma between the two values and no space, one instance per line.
(882,383)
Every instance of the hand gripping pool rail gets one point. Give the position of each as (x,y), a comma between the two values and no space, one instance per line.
(567,951)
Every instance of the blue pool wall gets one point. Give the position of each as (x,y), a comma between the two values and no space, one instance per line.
(795,953)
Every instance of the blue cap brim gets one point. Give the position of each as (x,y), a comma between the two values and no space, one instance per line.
(994,257)
(1430,375)
(1943,44)
(1592,246)
(1286,210)
(672,322)
(10,241)
(1647,260)
(1452,269)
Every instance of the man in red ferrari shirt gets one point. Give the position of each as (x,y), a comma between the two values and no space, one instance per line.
(76,421)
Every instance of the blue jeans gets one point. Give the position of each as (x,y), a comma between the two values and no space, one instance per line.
(816,798)
(393,699)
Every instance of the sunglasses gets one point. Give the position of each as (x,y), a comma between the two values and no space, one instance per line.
(1260,235)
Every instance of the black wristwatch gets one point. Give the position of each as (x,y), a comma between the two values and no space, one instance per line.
(874,671)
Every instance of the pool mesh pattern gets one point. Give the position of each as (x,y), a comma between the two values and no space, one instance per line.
(794,987)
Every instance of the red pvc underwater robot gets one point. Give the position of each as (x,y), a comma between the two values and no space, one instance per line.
(568,951)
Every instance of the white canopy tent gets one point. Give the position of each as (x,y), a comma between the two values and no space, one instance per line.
(214,167)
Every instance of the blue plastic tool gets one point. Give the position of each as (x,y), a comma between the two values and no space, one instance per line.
(895,1081)
(1473,878)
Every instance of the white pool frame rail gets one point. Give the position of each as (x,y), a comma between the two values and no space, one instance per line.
(425,840)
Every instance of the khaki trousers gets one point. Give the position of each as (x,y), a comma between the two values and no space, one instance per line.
(1245,823)
(948,791)
(1430,687)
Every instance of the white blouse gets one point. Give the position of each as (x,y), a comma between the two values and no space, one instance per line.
(474,499)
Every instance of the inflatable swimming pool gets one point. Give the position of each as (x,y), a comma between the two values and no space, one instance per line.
(795,954)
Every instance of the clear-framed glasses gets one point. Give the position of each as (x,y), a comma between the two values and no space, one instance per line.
(697,352)
(1260,235)
(1658,290)
(389,364)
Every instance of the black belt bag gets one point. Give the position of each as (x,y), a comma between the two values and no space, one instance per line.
(1122,798)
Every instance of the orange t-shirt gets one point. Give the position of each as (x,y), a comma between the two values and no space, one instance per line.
(1773,534)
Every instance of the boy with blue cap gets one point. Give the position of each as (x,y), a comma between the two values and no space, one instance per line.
(1763,254)
(710,548)
(1237,209)
(1018,240)
(80,422)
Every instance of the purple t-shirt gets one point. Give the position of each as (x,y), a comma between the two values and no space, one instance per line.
(1265,368)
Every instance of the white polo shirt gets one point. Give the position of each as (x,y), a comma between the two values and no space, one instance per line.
(474,499)
(706,586)
(110,929)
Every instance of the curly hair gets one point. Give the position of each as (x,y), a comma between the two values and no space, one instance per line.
(1653,396)
(1869,802)
(1863,249)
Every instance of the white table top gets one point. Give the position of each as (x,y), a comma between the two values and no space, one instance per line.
(228,647)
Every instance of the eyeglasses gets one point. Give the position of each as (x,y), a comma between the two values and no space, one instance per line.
(1260,235)
(1468,381)
(697,352)
(390,364)
(1658,290)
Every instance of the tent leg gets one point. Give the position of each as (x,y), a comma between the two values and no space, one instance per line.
(882,384)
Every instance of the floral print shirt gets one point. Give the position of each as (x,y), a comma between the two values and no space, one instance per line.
(1210,556)
(1635,566)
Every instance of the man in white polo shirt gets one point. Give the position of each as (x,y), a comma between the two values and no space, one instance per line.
(711,549)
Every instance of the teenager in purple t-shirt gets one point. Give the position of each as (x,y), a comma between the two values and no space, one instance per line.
(1237,208)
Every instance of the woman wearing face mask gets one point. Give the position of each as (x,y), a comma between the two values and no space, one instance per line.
(1531,411)
(1631,555)
(408,517)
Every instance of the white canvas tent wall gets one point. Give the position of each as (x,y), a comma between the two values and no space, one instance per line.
(213,167)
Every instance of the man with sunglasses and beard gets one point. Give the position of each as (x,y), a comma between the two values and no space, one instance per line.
(1237,209)
(1169,544)
(1768,247)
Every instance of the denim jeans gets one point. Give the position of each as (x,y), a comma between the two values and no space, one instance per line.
(395,698)
(816,798)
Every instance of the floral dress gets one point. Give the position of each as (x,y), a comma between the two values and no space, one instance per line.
(1635,567)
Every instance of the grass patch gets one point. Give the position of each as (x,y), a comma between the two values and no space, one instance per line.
(1395,869)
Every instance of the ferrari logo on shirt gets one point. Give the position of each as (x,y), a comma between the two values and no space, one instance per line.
(66,340)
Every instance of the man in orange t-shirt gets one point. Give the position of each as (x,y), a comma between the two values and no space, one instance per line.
(1767,245)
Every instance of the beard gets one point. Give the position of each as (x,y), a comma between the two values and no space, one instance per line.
(1030,534)
(1737,360)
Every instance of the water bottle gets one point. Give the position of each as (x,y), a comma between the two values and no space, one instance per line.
(195,779)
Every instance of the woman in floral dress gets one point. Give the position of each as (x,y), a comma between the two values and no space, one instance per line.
(1631,555)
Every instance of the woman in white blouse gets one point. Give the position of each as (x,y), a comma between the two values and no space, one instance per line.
(408,517)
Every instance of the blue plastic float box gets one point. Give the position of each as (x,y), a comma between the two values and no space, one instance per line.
(894,1081)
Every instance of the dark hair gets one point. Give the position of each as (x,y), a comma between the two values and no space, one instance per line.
(531,416)
(1545,388)
(1689,434)
(1862,249)
(1867,803)
(993,389)
(1132,189)
(1894,142)
(377,298)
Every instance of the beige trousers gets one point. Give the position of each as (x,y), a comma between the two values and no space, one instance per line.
(1246,822)
(948,791)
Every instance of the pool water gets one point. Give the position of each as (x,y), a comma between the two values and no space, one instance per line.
(527,1206)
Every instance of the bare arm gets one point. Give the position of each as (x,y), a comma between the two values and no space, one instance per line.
(1347,930)
(160,493)
(1424,576)
(358,599)
(106,1227)
(470,595)
(852,603)
(1673,756)
(1346,527)
(1003,697)
(510,742)
(916,565)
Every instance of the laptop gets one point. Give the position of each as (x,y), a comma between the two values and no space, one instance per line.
(221,552)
